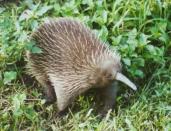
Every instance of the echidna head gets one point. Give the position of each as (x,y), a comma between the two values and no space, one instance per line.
(109,72)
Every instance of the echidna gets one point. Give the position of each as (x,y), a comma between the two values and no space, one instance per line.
(72,61)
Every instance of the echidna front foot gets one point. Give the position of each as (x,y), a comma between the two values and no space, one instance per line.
(50,95)
(108,96)
(62,113)
(49,100)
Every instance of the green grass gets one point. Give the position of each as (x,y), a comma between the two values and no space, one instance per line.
(139,30)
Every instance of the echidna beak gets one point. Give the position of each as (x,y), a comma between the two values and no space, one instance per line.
(125,80)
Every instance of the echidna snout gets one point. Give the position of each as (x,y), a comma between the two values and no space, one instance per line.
(74,60)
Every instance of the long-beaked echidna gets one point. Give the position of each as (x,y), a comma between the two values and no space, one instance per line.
(72,61)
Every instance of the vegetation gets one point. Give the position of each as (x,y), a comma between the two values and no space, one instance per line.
(139,30)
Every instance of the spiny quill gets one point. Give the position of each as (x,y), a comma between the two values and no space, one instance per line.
(72,61)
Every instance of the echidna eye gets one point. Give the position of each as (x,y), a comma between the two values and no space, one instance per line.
(110,75)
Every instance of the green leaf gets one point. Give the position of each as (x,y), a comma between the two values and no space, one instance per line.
(140,61)
(2,9)
(34,25)
(132,34)
(27,14)
(104,16)
(164,37)
(127,61)
(18,101)
(43,10)
(103,33)
(143,40)
(57,8)
(22,37)
(31,46)
(30,113)
(155,32)
(162,26)
(36,50)
(151,49)
(139,73)
(116,40)
(29,3)
(9,76)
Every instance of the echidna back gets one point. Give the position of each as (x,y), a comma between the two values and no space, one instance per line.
(67,46)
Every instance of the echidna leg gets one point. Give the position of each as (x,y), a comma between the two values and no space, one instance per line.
(62,95)
(49,92)
(109,98)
